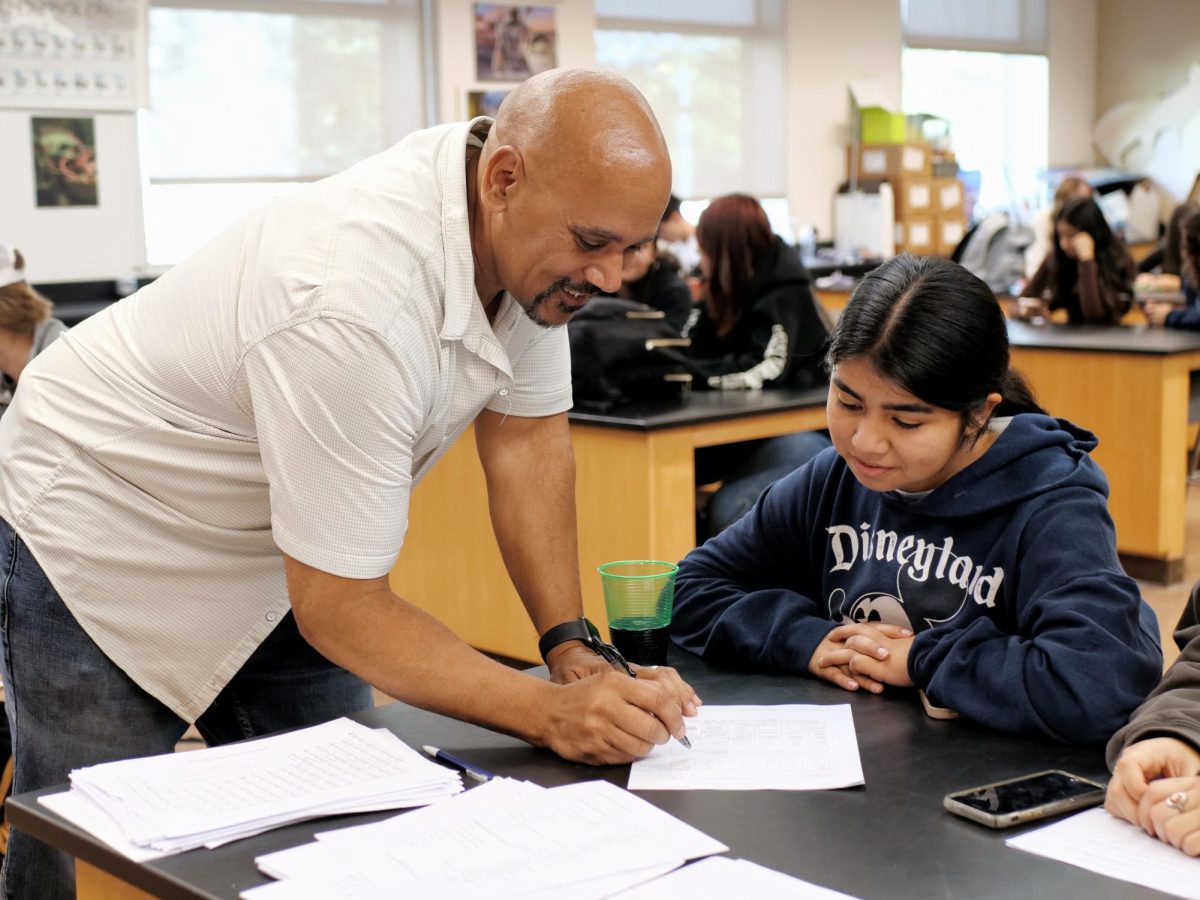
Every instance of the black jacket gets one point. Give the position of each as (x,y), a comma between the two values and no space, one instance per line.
(662,288)
(779,339)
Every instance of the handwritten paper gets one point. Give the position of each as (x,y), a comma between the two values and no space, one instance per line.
(744,748)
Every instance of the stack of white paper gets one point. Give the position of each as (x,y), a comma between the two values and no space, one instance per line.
(502,839)
(165,804)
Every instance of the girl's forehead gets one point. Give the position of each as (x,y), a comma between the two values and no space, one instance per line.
(860,375)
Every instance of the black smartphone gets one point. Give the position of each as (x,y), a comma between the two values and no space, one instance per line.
(1017,800)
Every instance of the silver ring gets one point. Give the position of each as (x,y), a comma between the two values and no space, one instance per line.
(1177,801)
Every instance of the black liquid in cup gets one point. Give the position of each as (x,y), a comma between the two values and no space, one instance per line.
(644,646)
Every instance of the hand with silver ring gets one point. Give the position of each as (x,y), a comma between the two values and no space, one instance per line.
(1166,812)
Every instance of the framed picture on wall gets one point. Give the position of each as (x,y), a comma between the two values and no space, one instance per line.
(485,103)
(64,161)
(514,42)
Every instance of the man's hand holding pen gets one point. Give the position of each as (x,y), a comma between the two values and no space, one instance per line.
(609,718)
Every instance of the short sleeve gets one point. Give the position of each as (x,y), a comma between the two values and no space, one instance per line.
(337,414)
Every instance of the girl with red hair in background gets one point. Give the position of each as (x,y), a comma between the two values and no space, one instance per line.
(757,326)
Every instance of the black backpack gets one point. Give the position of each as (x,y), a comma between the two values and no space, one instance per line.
(623,351)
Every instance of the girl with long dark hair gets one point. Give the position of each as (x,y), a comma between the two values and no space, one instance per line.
(1188,280)
(955,538)
(1089,273)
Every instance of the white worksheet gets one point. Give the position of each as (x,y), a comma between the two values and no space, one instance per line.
(1096,841)
(744,748)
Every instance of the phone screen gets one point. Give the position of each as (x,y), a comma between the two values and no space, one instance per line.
(1025,793)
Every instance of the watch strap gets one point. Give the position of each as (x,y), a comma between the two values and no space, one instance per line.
(582,629)
(575,630)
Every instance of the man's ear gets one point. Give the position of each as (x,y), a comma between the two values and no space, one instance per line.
(503,175)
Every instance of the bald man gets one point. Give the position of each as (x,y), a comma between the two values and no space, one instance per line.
(204,487)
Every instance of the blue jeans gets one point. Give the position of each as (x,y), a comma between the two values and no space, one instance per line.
(747,469)
(69,706)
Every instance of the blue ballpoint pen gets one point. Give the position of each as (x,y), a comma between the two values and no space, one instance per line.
(470,769)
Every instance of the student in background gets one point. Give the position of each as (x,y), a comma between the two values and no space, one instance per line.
(1089,273)
(677,236)
(1165,259)
(648,278)
(1155,759)
(26,326)
(1070,188)
(1171,315)
(956,539)
(757,327)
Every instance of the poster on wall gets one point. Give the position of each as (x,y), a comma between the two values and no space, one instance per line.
(64,161)
(513,42)
(65,54)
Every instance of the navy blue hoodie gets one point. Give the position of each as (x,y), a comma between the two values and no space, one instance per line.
(1007,574)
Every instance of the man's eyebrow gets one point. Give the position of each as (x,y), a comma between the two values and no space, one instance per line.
(604,236)
(893,407)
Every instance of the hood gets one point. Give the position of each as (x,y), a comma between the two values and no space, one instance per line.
(1033,456)
(782,267)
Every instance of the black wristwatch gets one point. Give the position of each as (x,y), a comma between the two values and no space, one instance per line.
(583,630)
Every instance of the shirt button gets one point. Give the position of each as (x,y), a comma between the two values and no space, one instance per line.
(272,616)
(503,392)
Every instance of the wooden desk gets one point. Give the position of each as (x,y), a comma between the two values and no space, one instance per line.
(635,492)
(833,301)
(890,838)
(1129,386)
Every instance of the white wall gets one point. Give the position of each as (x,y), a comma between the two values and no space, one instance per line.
(74,243)
(830,45)
(1144,48)
(1071,39)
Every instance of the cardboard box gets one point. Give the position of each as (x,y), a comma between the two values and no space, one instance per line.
(890,162)
(916,235)
(949,231)
(914,197)
(879,126)
(948,196)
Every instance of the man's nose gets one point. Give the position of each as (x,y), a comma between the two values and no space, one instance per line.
(605,272)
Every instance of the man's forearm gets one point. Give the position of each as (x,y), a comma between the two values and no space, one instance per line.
(530,468)
(406,653)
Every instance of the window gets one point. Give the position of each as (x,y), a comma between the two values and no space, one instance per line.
(980,65)
(713,71)
(248,102)
(998,106)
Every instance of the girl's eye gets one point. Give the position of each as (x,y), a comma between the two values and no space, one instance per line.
(907,426)
(846,404)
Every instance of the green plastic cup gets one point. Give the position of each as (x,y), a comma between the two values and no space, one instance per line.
(638,597)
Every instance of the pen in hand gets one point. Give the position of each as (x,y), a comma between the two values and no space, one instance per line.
(469,769)
(617,661)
